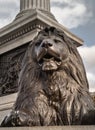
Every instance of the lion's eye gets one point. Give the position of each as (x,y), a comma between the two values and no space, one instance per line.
(57,40)
(45,34)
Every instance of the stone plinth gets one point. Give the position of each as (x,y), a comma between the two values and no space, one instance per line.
(6,104)
(52,128)
(26,28)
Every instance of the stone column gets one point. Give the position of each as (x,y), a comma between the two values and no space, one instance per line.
(35,4)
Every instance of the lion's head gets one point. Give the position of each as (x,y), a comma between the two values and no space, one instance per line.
(53,84)
(50,50)
(53,50)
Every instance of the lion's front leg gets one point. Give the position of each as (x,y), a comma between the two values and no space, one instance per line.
(19,118)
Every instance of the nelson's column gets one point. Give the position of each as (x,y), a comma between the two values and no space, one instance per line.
(34,15)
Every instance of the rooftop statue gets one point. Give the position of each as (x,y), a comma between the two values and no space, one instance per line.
(53,88)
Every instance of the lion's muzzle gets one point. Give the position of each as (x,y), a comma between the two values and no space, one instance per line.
(47,43)
(47,55)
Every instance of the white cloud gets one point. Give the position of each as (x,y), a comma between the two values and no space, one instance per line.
(71,13)
(91,80)
(88,56)
(8,11)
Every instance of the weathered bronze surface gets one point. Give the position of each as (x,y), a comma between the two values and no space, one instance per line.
(53,88)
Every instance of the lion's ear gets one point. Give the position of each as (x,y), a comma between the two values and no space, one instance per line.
(47,29)
(52,29)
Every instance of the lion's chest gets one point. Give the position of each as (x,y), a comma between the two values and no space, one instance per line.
(54,85)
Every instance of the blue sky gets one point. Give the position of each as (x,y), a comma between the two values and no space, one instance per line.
(77,15)
(86,32)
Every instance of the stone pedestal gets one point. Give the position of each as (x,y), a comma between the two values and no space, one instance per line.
(52,128)
(6,104)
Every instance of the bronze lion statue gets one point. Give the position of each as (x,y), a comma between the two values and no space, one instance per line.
(53,88)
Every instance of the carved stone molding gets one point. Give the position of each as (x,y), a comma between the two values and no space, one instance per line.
(21,32)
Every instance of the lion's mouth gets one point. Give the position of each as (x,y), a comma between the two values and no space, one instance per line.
(48,58)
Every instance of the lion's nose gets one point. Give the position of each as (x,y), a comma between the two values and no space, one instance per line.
(46,44)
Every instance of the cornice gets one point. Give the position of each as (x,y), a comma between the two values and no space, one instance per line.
(27,23)
(21,31)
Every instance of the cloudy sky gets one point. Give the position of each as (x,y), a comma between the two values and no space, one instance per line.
(77,15)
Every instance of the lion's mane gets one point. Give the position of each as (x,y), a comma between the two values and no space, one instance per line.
(55,98)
